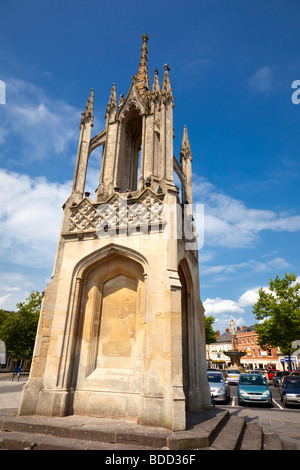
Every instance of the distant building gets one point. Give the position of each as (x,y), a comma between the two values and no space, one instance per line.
(295,357)
(246,341)
(256,358)
(215,351)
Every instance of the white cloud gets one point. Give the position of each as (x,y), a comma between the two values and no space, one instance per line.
(229,223)
(218,305)
(249,298)
(262,81)
(224,309)
(251,265)
(30,217)
(16,287)
(41,127)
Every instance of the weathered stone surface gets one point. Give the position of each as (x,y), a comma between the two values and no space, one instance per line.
(121,332)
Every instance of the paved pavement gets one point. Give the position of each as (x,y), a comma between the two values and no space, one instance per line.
(10,391)
(285,423)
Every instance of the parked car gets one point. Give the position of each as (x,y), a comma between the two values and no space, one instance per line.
(252,388)
(278,376)
(294,373)
(260,372)
(290,391)
(271,373)
(232,376)
(219,390)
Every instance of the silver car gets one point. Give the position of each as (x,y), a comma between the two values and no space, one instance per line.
(232,376)
(261,372)
(220,392)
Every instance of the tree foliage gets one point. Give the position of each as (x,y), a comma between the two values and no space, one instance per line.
(209,332)
(18,329)
(279,313)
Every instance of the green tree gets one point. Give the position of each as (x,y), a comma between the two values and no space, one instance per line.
(209,332)
(18,329)
(279,313)
(3,315)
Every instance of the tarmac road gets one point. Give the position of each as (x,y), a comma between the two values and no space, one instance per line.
(285,422)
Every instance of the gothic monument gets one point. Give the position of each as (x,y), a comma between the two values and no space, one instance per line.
(121,330)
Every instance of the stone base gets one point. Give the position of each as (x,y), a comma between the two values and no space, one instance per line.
(146,410)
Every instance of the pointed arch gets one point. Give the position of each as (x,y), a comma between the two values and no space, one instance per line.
(187,327)
(98,256)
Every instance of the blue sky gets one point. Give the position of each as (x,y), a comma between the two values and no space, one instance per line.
(232,68)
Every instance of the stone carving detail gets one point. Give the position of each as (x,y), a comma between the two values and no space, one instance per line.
(132,99)
(122,212)
(84,217)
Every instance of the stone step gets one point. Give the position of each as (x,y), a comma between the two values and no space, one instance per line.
(231,435)
(272,441)
(215,430)
(30,441)
(253,437)
(113,432)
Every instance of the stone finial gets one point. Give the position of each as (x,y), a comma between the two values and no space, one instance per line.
(112,104)
(88,113)
(155,87)
(185,146)
(166,85)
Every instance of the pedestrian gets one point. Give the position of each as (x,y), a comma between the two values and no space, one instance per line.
(17,371)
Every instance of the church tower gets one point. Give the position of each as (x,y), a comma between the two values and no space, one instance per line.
(121,330)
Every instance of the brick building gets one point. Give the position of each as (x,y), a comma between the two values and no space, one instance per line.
(256,358)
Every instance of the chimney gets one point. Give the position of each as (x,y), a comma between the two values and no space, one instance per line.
(244,328)
(227,330)
(217,333)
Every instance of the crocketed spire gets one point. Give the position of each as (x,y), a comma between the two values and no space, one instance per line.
(185,146)
(142,76)
(112,104)
(88,113)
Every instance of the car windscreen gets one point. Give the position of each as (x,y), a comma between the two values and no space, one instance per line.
(292,383)
(215,378)
(252,380)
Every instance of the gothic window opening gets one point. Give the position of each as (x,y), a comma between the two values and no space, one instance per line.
(130,150)
(92,174)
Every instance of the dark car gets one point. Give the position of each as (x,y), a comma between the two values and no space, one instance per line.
(294,373)
(290,391)
(278,376)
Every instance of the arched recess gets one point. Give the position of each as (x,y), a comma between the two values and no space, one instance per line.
(108,324)
(187,328)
